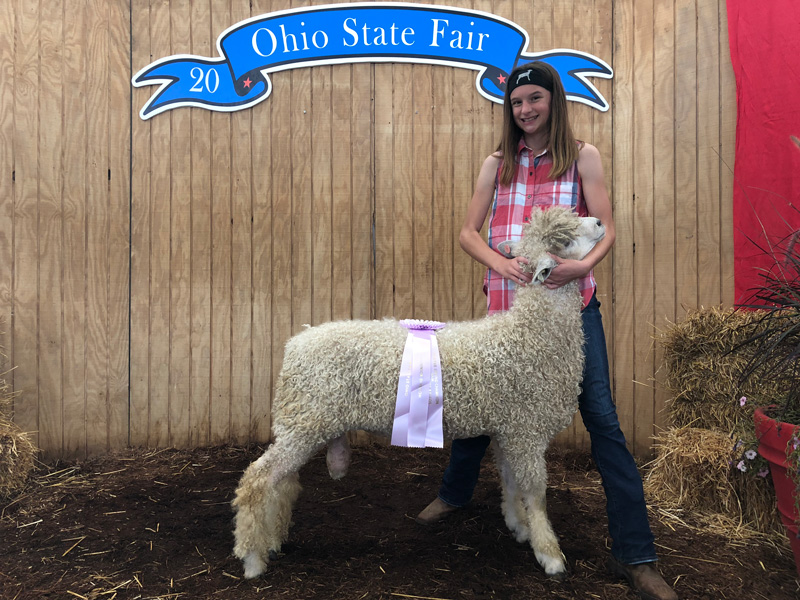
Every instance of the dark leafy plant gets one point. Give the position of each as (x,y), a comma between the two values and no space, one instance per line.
(774,345)
(775,342)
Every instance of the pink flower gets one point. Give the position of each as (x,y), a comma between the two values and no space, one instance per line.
(763,472)
(742,401)
(741,466)
(750,454)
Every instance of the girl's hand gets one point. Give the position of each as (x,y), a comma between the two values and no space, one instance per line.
(567,270)
(511,269)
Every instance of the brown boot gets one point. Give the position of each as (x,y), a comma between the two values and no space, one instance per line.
(435,511)
(645,579)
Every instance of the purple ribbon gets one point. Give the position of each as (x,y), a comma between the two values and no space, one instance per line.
(418,411)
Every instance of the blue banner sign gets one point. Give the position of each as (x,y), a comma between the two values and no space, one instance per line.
(362,32)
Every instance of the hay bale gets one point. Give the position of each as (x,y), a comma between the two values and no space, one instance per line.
(702,370)
(694,470)
(17,454)
(17,451)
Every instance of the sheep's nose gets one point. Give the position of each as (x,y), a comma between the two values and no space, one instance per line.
(599,222)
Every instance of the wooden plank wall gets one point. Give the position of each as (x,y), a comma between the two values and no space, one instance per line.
(64,219)
(152,270)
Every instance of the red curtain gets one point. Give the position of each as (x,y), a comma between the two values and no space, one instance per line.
(765,52)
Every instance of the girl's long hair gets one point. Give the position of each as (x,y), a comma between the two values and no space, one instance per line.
(561,143)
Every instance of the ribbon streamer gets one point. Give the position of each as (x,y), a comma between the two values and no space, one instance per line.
(419,406)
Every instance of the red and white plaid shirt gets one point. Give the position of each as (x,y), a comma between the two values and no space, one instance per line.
(512,207)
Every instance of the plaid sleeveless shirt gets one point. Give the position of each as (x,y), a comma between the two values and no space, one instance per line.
(512,206)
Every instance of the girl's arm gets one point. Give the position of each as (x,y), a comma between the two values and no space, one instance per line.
(590,169)
(470,237)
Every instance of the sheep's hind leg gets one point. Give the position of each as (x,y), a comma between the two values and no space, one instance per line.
(263,503)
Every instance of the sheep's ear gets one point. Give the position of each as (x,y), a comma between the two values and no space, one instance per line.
(507,248)
(543,268)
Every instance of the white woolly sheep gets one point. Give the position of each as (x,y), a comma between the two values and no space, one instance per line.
(514,376)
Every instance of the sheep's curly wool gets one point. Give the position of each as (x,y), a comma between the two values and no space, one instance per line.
(514,376)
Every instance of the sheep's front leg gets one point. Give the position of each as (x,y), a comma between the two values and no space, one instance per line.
(512,506)
(526,472)
(543,540)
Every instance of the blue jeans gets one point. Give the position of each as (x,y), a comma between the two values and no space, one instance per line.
(625,505)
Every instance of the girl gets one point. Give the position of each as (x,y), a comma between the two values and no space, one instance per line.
(537,165)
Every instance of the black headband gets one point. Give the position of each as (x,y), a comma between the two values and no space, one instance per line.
(529,77)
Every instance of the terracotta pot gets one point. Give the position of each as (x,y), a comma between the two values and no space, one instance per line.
(773,437)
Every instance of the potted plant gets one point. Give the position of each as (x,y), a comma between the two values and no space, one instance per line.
(775,348)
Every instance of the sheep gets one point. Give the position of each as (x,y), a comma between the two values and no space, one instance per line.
(514,376)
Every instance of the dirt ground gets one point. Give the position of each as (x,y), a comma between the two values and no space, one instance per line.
(158,524)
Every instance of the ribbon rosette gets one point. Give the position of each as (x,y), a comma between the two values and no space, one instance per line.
(418,412)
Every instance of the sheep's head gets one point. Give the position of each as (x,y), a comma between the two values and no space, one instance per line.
(557,231)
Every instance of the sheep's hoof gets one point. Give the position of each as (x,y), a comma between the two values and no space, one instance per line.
(560,576)
(554,567)
(254,565)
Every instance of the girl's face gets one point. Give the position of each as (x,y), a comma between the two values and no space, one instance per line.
(530,106)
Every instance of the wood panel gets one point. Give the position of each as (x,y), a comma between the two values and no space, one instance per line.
(643,226)
(402,226)
(709,258)
(7,177)
(180,248)
(153,270)
(362,174)
(686,57)
(97,229)
(282,249)
(263,267)
(727,149)
(50,187)
(241,252)
(422,192)
(118,248)
(443,228)
(664,201)
(384,191)
(321,197)
(139,405)
(300,140)
(160,282)
(466,162)
(622,181)
(339,181)
(221,267)
(199,395)
(24,315)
